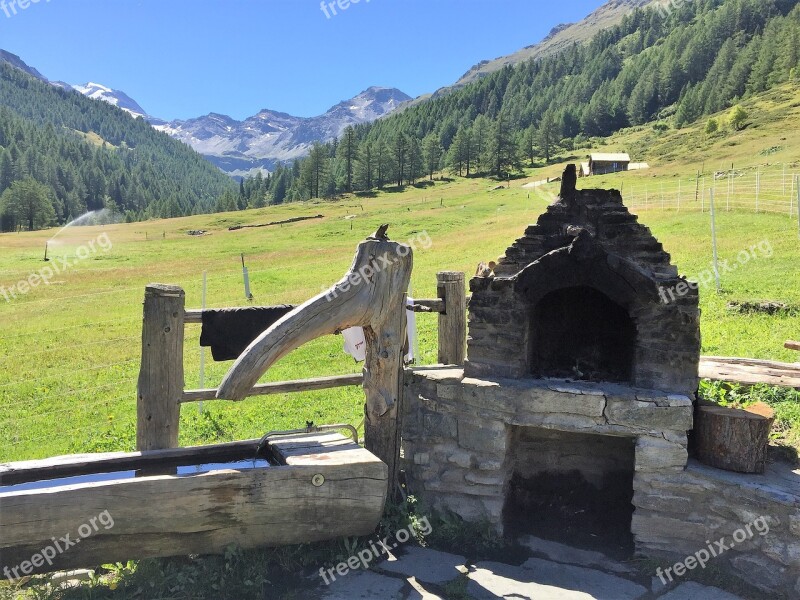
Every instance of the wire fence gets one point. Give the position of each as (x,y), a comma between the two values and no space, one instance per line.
(774,189)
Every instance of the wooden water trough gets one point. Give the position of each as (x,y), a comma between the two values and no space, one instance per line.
(182,501)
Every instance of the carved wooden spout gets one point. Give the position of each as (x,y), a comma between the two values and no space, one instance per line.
(370,295)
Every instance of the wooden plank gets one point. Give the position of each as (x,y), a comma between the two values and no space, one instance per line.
(453,320)
(282,387)
(160,384)
(433,305)
(749,371)
(791,345)
(198,514)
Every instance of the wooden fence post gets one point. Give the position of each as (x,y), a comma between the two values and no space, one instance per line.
(160,388)
(453,321)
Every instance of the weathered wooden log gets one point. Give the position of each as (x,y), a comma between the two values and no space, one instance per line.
(282,387)
(372,295)
(791,345)
(733,439)
(750,371)
(160,386)
(323,487)
(453,321)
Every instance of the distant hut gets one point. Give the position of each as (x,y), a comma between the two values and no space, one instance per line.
(602,164)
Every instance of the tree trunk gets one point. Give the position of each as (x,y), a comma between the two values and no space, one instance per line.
(733,439)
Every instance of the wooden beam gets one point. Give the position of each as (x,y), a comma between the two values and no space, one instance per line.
(282,387)
(194,316)
(749,371)
(792,345)
(435,305)
(453,320)
(160,384)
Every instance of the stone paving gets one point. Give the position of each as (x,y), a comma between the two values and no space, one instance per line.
(557,573)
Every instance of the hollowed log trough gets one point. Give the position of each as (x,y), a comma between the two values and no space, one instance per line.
(315,487)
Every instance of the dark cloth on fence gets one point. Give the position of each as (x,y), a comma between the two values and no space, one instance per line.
(230,331)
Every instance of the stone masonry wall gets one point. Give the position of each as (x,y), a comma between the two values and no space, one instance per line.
(456,434)
(679,514)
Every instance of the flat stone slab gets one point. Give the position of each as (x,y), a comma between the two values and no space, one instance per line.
(573,556)
(694,591)
(544,580)
(425,565)
(367,585)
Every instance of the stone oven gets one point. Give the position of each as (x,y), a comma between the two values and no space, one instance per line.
(578,388)
(587,294)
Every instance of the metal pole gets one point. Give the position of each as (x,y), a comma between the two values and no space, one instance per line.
(714,243)
(797,187)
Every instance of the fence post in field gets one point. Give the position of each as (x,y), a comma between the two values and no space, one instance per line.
(453,321)
(161,381)
(758,186)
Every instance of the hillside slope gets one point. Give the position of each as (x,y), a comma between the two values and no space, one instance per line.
(47,133)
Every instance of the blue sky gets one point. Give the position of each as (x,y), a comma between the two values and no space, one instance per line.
(186,58)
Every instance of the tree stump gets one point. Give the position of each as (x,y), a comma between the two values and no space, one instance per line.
(733,439)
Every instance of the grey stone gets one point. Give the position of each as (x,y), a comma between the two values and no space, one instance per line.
(426,565)
(646,415)
(479,479)
(573,556)
(694,591)
(662,502)
(545,580)
(654,454)
(448,392)
(759,571)
(794,524)
(486,436)
(439,426)
(440,374)
(366,585)
(461,458)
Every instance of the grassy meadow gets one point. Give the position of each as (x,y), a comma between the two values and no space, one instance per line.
(69,350)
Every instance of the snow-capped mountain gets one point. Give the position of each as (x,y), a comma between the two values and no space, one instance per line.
(261,141)
(120,99)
